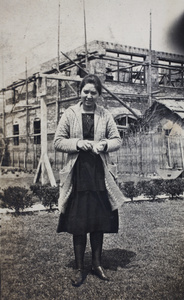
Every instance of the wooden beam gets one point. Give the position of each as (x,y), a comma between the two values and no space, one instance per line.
(61,77)
(169,97)
(182,152)
(121,60)
(43,136)
(44,163)
(73,90)
(37,171)
(105,88)
(49,170)
(43,167)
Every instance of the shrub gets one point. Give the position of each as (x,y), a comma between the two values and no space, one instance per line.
(37,190)
(50,196)
(174,187)
(129,189)
(1,200)
(16,198)
(153,188)
(141,185)
(47,194)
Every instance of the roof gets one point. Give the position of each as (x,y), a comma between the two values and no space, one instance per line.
(116,111)
(176,106)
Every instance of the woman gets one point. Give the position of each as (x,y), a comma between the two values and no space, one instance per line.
(89,196)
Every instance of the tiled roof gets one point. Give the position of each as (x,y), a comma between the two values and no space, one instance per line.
(115,111)
(176,106)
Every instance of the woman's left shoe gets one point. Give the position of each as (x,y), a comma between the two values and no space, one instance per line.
(98,271)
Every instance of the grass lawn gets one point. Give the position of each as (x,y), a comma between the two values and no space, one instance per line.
(145,260)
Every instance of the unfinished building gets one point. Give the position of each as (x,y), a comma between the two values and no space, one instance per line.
(132,78)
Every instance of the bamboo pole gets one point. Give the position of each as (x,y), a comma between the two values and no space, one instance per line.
(149,81)
(85,37)
(58,59)
(27,116)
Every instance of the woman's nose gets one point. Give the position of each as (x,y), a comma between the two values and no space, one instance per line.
(89,95)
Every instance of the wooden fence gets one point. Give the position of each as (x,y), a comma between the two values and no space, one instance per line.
(140,154)
(144,153)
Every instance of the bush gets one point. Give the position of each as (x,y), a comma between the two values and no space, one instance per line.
(153,188)
(174,187)
(141,186)
(47,194)
(50,196)
(37,190)
(129,190)
(1,200)
(16,198)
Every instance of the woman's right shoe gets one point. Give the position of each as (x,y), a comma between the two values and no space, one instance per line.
(77,278)
(98,271)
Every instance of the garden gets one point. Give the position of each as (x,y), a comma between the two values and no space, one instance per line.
(18,198)
(145,260)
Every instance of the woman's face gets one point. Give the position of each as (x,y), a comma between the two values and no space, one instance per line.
(89,96)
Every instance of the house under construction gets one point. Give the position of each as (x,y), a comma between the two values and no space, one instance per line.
(133,78)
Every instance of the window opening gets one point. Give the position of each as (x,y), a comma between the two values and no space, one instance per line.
(16,134)
(129,70)
(170,73)
(37,132)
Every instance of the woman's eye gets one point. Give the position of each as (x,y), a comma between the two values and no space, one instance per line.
(88,92)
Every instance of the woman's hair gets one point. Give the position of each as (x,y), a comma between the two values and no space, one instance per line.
(93,79)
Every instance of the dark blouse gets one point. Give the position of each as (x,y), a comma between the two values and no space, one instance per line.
(89,167)
(88,126)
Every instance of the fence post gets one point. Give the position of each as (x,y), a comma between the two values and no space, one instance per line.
(24,160)
(169,151)
(13,158)
(182,154)
(55,158)
(140,156)
(18,159)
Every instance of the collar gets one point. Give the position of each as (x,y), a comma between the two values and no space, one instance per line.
(77,109)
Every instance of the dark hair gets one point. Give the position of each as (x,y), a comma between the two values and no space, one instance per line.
(93,79)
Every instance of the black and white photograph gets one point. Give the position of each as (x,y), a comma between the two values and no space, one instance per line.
(92,149)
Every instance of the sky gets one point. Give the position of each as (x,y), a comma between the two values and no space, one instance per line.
(29,28)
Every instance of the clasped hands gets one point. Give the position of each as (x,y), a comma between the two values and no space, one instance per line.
(87,145)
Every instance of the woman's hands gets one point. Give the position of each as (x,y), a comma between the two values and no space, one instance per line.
(84,145)
(99,147)
(87,145)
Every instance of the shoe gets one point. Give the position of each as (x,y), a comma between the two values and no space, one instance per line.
(98,271)
(78,278)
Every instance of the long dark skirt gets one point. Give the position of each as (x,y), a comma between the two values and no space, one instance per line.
(88,208)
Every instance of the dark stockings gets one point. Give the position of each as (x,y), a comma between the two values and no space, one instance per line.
(96,240)
(79,243)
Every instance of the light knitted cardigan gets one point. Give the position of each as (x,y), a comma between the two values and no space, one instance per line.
(69,132)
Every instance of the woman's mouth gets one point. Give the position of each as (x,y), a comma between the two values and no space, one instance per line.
(87,101)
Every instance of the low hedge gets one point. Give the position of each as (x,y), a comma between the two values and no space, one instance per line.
(174,187)
(153,188)
(17,198)
(47,194)
(130,190)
